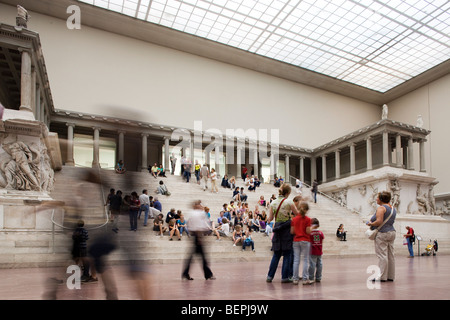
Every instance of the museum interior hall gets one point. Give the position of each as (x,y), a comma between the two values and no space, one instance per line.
(351,96)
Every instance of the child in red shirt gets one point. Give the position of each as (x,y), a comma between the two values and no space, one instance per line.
(315,260)
(301,228)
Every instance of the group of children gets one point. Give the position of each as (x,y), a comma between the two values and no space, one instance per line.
(307,244)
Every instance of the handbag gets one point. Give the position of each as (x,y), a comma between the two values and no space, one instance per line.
(371,234)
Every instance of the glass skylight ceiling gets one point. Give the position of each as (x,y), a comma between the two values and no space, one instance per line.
(372,43)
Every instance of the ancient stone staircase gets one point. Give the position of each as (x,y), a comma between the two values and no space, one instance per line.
(48,248)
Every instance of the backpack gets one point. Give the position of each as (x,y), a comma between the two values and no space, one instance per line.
(413,237)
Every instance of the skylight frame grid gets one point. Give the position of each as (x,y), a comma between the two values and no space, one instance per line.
(348,31)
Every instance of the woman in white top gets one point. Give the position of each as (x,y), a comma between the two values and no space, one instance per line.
(213,181)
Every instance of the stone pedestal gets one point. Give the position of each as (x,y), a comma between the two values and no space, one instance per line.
(412,191)
(29,155)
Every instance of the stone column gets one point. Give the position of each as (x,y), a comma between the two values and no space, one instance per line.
(302,169)
(286,168)
(121,145)
(208,158)
(96,158)
(255,161)
(25,82)
(144,163)
(217,159)
(70,160)
(369,153)
(324,168)
(398,150)
(313,169)
(273,165)
(385,148)
(410,154)
(337,154)
(191,154)
(352,158)
(422,155)
(37,113)
(166,154)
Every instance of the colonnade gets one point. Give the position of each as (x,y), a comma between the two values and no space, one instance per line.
(383,144)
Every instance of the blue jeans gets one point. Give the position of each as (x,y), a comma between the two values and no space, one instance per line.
(133,219)
(301,248)
(286,269)
(410,247)
(246,243)
(315,267)
(145,208)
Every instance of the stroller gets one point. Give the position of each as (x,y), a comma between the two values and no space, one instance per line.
(431,248)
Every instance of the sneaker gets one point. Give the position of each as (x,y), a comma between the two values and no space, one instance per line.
(288,280)
(269,279)
(307,282)
(92,279)
(295,282)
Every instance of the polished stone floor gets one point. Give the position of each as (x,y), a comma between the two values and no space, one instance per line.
(420,278)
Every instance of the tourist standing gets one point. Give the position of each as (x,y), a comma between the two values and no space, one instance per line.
(144,201)
(410,237)
(133,211)
(384,241)
(314,190)
(301,228)
(315,259)
(213,181)
(280,212)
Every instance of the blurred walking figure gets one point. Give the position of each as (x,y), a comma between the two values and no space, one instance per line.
(103,245)
(197,224)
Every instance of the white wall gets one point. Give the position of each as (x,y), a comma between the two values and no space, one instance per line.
(433,103)
(98,72)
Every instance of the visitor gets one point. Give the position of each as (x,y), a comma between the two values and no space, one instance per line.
(115,205)
(187,169)
(315,259)
(341,233)
(154,170)
(224,183)
(232,183)
(162,189)
(314,190)
(204,176)
(111,194)
(120,167)
(173,163)
(223,229)
(181,224)
(133,211)
(280,212)
(248,240)
(79,250)
(384,241)
(262,202)
(301,229)
(156,204)
(144,201)
(161,171)
(158,224)
(236,194)
(410,238)
(173,229)
(213,181)
(237,235)
(197,168)
(244,172)
(197,226)
(242,195)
